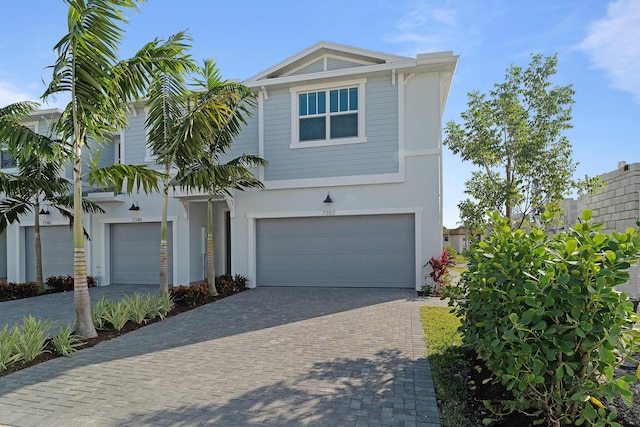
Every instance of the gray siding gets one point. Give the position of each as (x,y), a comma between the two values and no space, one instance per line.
(135,139)
(246,142)
(379,155)
(340,64)
(314,67)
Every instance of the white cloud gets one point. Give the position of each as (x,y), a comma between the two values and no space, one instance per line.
(435,25)
(613,44)
(9,95)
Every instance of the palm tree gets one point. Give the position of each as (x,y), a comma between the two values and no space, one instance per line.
(101,89)
(38,178)
(203,170)
(181,124)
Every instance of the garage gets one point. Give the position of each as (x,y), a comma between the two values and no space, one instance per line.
(135,253)
(336,251)
(57,251)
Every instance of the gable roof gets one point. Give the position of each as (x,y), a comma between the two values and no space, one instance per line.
(321,49)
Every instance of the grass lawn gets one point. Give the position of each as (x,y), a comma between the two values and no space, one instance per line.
(448,365)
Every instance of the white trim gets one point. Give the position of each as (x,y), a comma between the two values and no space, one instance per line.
(325,58)
(336,181)
(295,119)
(261,101)
(253,217)
(106,242)
(401,125)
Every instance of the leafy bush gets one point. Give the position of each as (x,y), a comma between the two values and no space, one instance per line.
(139,307)
(66,342)
(192,296)
(11,291)
(98,313)
(440,271)
(543,315)
(31,338)
(7,347)
(117,314)
(65,283)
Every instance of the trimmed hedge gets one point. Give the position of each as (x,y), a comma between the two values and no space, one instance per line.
(11,291)
(65,283)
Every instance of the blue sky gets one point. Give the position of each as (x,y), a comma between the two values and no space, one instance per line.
(597,41)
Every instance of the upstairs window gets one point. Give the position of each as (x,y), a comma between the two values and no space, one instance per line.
(7,161)
(328,116)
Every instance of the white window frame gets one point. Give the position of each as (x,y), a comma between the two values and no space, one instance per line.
(295,118)
(34,127)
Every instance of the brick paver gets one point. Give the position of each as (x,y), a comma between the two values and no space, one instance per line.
(266,357)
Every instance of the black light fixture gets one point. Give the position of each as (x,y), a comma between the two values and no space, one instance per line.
(44,212)
(134,206)
(328,199)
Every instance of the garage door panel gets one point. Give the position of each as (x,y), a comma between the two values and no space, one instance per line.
(135,253)
(57,251)
(350,251)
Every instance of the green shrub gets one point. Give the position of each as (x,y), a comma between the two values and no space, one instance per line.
(98,313)
(139,307)
(31,338)
(65,342)
(11,291)
(543,315)
(7,347)
(160,306)
(116,314)
(65,283)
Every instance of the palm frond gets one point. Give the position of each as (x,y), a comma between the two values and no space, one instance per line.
(134,177)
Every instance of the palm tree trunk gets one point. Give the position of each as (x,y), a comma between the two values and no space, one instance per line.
(38,246)
(81,301)
(211,272)
(164,268)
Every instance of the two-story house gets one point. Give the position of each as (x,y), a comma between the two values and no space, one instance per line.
(353,187)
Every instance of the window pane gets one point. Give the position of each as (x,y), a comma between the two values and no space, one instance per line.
(322,102)
(6,160)
(353,99)
(344,99)
(333,95)
(302,103)
(344,125)
(312,103)
(313,128)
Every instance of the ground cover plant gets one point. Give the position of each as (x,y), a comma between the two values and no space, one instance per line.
(543,317)
(27,344)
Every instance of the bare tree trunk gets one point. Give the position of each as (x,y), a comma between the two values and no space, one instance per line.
(211,273)
(81,301)
(38,247)
(164,267)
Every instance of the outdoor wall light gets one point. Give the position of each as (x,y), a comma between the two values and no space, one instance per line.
(134,206)
(44,212)
(328,199)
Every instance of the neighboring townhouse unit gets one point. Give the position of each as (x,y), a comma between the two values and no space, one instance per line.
(353,187)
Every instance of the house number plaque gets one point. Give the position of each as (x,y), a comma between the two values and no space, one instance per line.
(329,212)
(136,219)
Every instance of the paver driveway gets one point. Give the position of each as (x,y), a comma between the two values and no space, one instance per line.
(269,356)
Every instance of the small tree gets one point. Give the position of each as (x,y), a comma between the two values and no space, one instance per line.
(514,135)
(204,170)
(38,179)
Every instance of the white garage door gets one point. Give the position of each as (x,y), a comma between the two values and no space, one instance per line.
(135,253)
(57,251)
(347,251)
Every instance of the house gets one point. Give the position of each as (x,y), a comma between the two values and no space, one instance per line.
(458,238)
(353,187)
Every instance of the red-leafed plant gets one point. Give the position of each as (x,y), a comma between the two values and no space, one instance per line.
(440,270)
